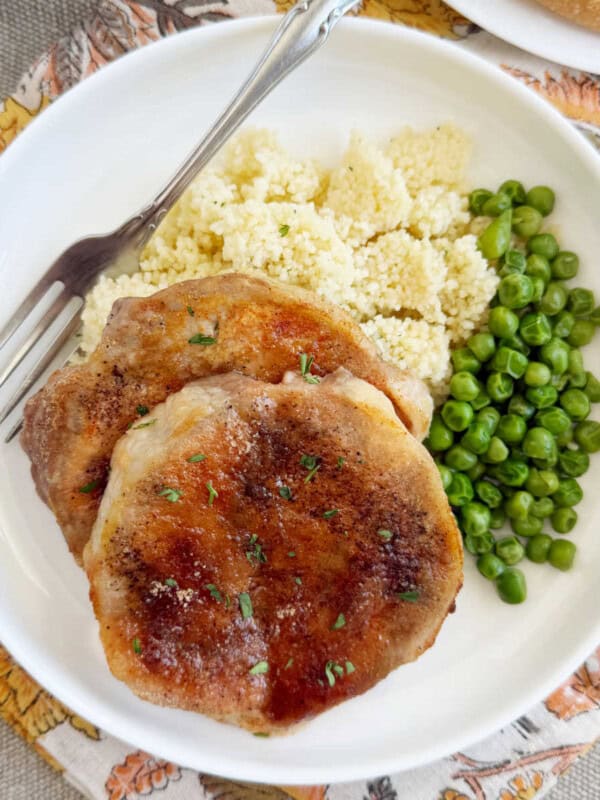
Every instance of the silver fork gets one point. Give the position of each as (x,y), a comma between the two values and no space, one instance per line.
(301,32)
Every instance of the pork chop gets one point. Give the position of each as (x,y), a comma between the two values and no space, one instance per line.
(153,346)
(263,552)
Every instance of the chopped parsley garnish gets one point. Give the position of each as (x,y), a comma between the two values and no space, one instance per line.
(289,663)
(332,670)
(144,424)
(339,623)
(285,492)
(340,462)
(196,458)
(329,673)
(312,474)
(331,513)
(350,668)
(212,493)
(137,647)
(385,535)
(172,495)
(142,410)
(284,230)
(260,668)
(305,365)
(214,592)
(261,735)
(89,487)
(227,601)
(245,605)
(410,597)
(311,463)
(171,582)
(292,554)
(256,551)
(199,338)
(190,311)
(298,580)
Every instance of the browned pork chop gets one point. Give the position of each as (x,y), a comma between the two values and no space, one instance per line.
(263,552)
(153,346)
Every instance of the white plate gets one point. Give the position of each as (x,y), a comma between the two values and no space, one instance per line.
(96,156)
(532,27)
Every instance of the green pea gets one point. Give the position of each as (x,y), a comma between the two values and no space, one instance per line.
(519,505)
(495,239)
(526,221)
(563,324)
(573,463)
(509,361)
(575,362)
(511,428)
(458,457)
(542,396)
(496,204)
(535,329)
(544,244)
(564,520)
(565,265)
(553,419)
(538,547)
(587,435)
(539,443)
(569,493)
(490,566)
(511,472)
(477,438)
(559,382)
(561,554)
(537,374)
(541,198)
(440,437)
(490,417)
(578,381)
(457,414)
(478,545)
(476,200)
(496,452)
(475,519)
(497,518)
(445,474)
(519,405)
(537,266)
(499,386)
(460,490)
(515,190)
(541,482)
(510,550)
(539,287)
(565,438)
(515,291)
(511,586)
(515,343)
(464,386)
(582,333)
(503,322)
(488,494)
(581,302)
(595,316)
(513,261)
(542,508)
(554,299)
(481,401)
(576,403)
(482,345)
(463,360)
(592,388)
(529,526)
(476,472)
(555,354)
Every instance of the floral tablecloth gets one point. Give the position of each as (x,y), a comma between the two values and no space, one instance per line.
(520,762)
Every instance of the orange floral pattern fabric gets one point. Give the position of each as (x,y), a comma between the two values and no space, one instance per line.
(112,770)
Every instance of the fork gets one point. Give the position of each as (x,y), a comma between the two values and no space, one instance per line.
(301,32)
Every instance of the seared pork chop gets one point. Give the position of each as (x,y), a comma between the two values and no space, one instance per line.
(263,552)
(153,346)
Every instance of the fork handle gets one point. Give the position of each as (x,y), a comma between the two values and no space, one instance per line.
(301,32)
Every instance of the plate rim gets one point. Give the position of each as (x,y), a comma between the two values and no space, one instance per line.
(31,657)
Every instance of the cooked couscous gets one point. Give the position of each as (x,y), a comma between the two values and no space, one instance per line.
(385,234)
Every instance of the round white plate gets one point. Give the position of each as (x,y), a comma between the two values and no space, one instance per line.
(94,158)
(532,27)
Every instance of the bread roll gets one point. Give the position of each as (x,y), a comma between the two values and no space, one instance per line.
(583,12)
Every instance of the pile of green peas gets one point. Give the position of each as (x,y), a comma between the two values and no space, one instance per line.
(514,435)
